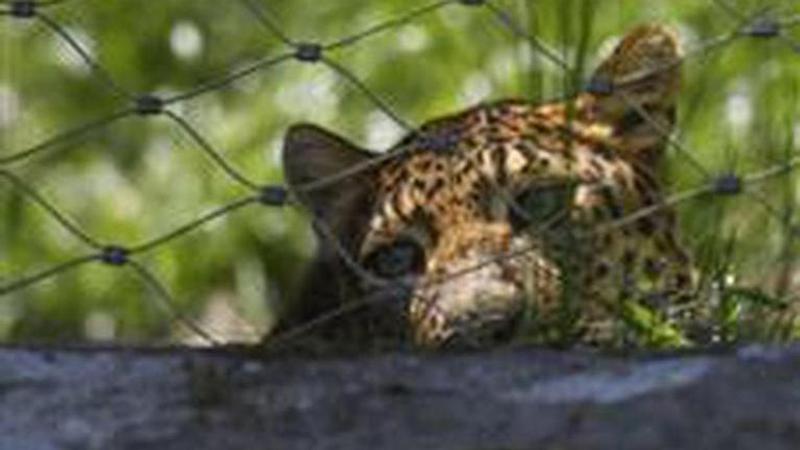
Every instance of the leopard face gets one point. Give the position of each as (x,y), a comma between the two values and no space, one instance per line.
(503,214)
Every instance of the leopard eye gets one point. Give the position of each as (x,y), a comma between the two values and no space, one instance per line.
(631,119)
(540,206)
(399,258)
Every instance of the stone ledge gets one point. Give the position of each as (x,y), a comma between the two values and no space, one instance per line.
(524,398)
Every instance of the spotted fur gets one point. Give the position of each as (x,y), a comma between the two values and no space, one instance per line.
(505,214)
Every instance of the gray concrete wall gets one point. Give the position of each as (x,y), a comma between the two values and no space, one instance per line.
(509,399)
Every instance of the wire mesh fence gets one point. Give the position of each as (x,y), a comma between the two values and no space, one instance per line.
(732,179)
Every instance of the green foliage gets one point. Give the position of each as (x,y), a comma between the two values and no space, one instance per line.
(651,330)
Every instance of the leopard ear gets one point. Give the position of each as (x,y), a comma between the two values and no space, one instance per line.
(634,91)
(321,170)
(644,68)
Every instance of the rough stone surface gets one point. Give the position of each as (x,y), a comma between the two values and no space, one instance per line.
(509,399)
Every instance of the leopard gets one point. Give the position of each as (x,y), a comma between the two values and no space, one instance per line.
(510,218)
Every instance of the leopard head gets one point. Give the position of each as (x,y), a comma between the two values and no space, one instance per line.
(453,229)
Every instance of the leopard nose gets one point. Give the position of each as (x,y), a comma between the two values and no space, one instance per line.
(469,311)
(478,332)
(474,329)
(478,293)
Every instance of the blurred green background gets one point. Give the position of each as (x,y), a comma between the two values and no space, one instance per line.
(141,177)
